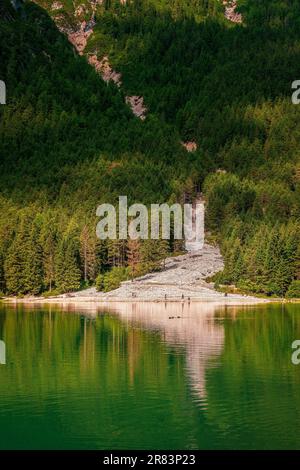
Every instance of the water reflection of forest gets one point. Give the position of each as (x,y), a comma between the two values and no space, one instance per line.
(191,327)
(195,332)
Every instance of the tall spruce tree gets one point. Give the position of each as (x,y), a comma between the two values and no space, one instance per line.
(67,260)
(88,254)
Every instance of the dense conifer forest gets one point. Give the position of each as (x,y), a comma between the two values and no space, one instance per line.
(68,141)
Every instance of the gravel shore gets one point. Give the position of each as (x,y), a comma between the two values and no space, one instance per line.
(181,280)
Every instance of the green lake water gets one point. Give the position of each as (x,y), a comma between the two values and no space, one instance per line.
(131,377)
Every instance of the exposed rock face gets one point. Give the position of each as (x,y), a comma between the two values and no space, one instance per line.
(79,38)
(190,146)
(56,6)
(230,11)
(81,10)
(137,106)
(104,68)
(136,103)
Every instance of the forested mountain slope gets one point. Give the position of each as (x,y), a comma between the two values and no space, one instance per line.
(68,141)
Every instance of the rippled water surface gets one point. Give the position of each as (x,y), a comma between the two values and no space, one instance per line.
(146,376)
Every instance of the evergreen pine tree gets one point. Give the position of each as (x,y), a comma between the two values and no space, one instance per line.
(88,254)
(49,250)
(133,256)
(67,260)
(2,277)
(33,263)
